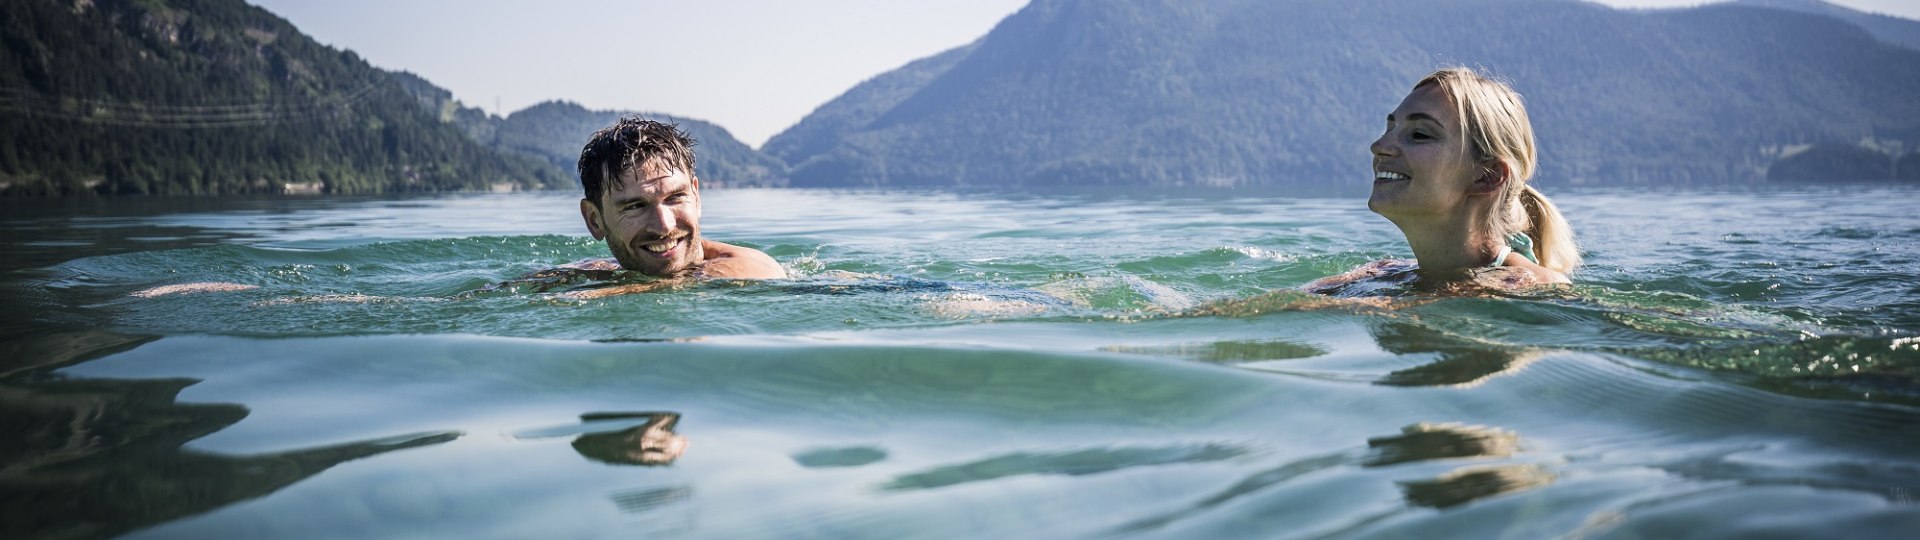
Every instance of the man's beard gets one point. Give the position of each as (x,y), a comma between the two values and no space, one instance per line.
(635,258)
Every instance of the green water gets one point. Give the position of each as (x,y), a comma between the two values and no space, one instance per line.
(1733,363)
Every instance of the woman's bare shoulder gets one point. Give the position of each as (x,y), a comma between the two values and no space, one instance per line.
(1522,275)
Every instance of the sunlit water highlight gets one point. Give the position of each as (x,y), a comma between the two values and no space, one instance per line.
(960,365)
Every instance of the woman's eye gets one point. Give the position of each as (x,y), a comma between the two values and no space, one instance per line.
(1418,136)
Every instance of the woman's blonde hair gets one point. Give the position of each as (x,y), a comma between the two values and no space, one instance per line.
(1494,119)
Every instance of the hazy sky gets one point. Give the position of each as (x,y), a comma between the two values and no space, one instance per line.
(752,66)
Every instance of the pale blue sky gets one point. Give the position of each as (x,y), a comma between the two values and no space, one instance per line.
(752,66)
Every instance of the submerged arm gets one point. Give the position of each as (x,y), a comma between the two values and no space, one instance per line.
(1332,284)
(617,290)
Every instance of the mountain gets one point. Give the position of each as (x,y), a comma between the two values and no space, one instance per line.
(1255,92)
(555,131)
(820,132)
(215,97)
(1890,29)
(439,102)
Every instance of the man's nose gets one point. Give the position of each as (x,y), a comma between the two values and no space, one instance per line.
(661,222)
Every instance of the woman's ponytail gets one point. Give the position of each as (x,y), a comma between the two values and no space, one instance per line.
(1552,236)
(1493,118)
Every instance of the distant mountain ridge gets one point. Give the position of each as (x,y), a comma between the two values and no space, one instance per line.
(211,97)
(555,131)
(217,97)
(198,97)
(1249,92)
(1890,29)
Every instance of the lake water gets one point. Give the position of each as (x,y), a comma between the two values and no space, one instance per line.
(1733,364)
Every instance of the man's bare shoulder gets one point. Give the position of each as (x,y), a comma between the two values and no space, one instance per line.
(727,261)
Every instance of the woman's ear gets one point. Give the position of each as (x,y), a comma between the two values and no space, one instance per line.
(1493,176)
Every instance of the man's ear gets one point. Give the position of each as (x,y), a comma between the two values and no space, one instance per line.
(591,213)
(1494,175)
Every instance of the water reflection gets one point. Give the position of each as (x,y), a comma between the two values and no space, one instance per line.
(1227,352)
(1462,361)
(1468,484)
(638,501)
(1415,443)
(1253,484)
(1458,361)
(93,458)
(1078,463)
(1423,442)
(827,458)
(1427,442)
(650,444)
(39,351)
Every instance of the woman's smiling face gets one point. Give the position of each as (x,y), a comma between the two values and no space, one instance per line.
(1422,165)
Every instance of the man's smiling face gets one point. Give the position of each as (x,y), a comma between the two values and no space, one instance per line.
(650,217)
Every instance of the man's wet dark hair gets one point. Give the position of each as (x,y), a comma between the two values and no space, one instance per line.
(628,144)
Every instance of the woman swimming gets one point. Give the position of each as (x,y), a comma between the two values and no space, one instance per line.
(1451,172)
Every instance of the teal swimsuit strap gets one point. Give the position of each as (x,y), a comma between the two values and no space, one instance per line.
(1523,245)
(1518,243)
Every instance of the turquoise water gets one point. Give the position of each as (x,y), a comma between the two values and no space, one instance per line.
(1732,364)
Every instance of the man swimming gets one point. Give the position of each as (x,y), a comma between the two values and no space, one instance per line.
(643,199)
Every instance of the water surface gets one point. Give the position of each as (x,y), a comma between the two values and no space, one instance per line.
(948,364)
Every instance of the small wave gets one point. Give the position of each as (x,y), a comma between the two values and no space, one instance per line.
(1848,233)
(190,288)
(1078,463)
(1263,254)
(349,298)
(1120,292)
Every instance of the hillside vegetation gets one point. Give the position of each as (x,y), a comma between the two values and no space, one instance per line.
(215,97)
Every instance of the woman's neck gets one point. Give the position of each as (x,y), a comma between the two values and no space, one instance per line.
(1450,243)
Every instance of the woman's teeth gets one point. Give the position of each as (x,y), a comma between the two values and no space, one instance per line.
(1384,175)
